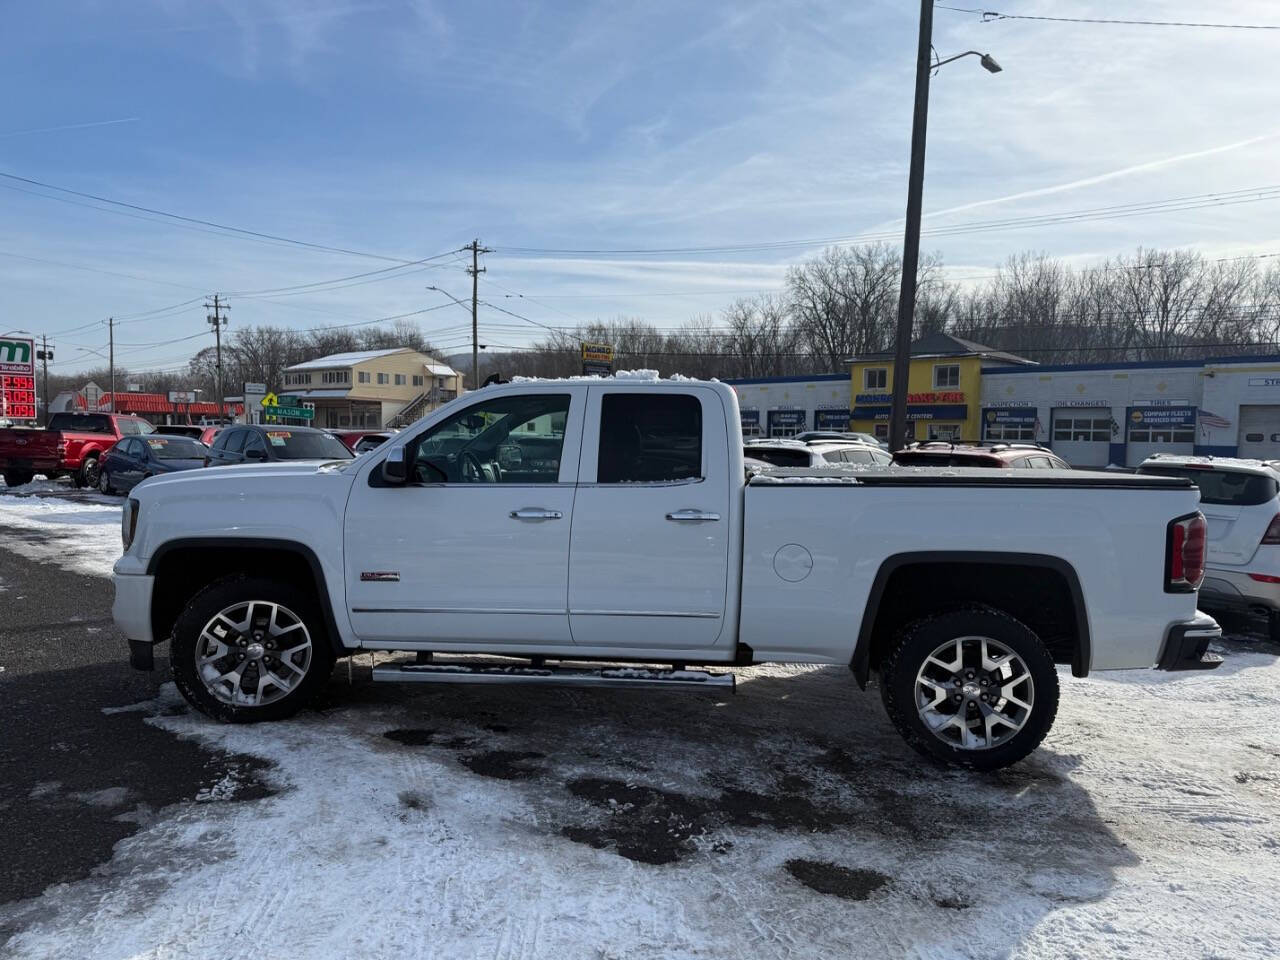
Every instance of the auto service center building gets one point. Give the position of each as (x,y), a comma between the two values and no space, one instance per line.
(1095,415)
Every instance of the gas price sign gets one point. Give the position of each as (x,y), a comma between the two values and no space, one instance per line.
(17,379)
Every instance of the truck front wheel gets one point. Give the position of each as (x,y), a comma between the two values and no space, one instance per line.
(248,649)
(972,687)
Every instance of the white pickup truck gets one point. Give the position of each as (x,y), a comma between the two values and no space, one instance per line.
(612,521)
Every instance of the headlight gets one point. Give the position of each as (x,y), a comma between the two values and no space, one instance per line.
(129,522)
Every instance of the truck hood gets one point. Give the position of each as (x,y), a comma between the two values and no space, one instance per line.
(288,473)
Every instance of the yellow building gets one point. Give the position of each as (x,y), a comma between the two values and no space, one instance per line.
(944,388)
(372,388)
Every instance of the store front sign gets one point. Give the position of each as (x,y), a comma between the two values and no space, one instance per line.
(872,398)
(1264,381)
(1163,416)
(786,418)
(1081,402)
(951,396)
(749,418)
(1014,416)
(957,411)
(834,419)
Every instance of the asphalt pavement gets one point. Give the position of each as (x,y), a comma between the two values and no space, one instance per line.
(76,778)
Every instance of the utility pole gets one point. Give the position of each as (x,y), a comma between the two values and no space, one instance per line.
(217,321)
(111,358)
(911,241)
(45,355)
(475,270)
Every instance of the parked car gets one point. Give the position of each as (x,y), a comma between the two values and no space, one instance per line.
(248,443)
(612,520)
(210,433)
(1240,499)
(72,444)
(134,459)
(194,431)
(362,441)
(854,436)
(790,453)
(944,453)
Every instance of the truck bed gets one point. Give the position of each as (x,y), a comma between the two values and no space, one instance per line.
(956,477)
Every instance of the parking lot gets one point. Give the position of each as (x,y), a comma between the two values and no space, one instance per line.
(786,821)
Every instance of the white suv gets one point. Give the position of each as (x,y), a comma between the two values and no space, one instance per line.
(1241,501)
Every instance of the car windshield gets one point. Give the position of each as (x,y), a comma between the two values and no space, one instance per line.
(81,422)
(1223,487)
(288,444)
(780,456)
(175,448)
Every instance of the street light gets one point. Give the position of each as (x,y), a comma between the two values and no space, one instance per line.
(911,241)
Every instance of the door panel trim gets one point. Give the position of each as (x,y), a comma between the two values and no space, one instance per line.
(476,610)
(645,613)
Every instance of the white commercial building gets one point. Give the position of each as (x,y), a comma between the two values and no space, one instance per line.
(1095,415)
(785,406)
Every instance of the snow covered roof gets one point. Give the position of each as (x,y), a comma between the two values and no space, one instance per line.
(437,369)
(347,359)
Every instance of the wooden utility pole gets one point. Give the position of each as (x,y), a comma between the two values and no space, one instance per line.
(217,321)
(111,358)
(45,355)
(475,270)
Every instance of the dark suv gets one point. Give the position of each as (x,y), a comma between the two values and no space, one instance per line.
(943,453)
(253,443)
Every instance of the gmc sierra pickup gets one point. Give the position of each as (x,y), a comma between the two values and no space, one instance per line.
(612,521)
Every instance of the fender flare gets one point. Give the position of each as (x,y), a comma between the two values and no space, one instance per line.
(860,663)
(265,543)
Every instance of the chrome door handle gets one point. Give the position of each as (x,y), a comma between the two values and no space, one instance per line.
(536,513)
(692,516)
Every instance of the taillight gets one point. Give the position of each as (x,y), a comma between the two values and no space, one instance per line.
(1272,536)
(1184,554)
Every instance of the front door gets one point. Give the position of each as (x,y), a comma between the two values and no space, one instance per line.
(649,561)
(475,547)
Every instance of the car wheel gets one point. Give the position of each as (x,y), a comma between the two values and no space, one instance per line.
(972,687)
(104,483)
(88,473)
(1275,626)
(248,649)
(16,478)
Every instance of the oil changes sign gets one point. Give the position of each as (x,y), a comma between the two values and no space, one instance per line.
(17,379)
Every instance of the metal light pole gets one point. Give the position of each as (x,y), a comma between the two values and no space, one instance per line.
(911,240)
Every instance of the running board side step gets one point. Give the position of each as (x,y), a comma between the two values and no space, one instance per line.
(691,680)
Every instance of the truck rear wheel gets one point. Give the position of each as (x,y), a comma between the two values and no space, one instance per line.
(16,478)
(972,687)
(248,649)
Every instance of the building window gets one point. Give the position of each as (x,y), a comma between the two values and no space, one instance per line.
(1011,432)
(363,375)
(400,380)
(1164,434)
(335,376)
(944,431)
(1082,429)
(946,375)
(383,378)
(296,379)
(880,431)
(417,380)
(875,378)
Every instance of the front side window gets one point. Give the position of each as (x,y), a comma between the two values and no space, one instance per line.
(946,375)
(508,439)
(649,438)
(875,378)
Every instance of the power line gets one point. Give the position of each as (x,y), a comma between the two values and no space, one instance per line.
(380,273)
(241,231)
(990,16)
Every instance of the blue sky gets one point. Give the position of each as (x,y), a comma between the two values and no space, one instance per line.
(407,128)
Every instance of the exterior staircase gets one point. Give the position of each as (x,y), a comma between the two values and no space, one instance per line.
(414,409)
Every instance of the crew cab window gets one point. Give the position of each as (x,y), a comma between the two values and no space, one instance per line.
(650,438)
(1223,487)
(508,439)
(81,422)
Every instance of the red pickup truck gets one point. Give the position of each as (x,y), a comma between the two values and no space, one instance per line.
(71,445)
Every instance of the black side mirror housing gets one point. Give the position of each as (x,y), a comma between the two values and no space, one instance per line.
(255,454)
(394,468)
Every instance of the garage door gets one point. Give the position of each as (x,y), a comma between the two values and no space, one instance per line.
(1082,435)
(1260,432)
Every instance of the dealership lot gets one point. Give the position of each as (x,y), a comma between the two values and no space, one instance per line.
(788,820)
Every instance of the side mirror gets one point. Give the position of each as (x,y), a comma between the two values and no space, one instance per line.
(255,454)
(394,468)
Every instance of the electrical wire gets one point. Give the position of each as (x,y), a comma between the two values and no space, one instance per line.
(990,16)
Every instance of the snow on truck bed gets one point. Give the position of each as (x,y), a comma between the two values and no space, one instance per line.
(787,821)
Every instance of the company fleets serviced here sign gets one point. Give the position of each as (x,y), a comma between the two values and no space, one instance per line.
(1163,416)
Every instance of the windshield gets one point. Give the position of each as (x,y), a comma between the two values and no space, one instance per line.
(175,448)
(81,422)
(295,445)
(1223,487)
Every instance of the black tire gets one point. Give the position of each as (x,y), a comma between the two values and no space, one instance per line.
(919,640)
(87,475)
(104,483)
(227,593)
(16,478)
(1275,626)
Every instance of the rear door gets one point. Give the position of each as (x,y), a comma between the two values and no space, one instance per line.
(650,546)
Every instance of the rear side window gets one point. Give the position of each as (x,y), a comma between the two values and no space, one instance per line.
(780,457)
(1223,487)
(232,442)
(81,422)
(650,438)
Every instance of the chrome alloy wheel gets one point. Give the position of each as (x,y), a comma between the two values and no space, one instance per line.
(252,653)
(974,693)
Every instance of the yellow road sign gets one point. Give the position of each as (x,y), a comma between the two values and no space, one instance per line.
(269,400)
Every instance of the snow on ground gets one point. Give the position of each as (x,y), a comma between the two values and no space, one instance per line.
(45,521)
(786,821)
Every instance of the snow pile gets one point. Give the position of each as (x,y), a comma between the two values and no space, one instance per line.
(82,535)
